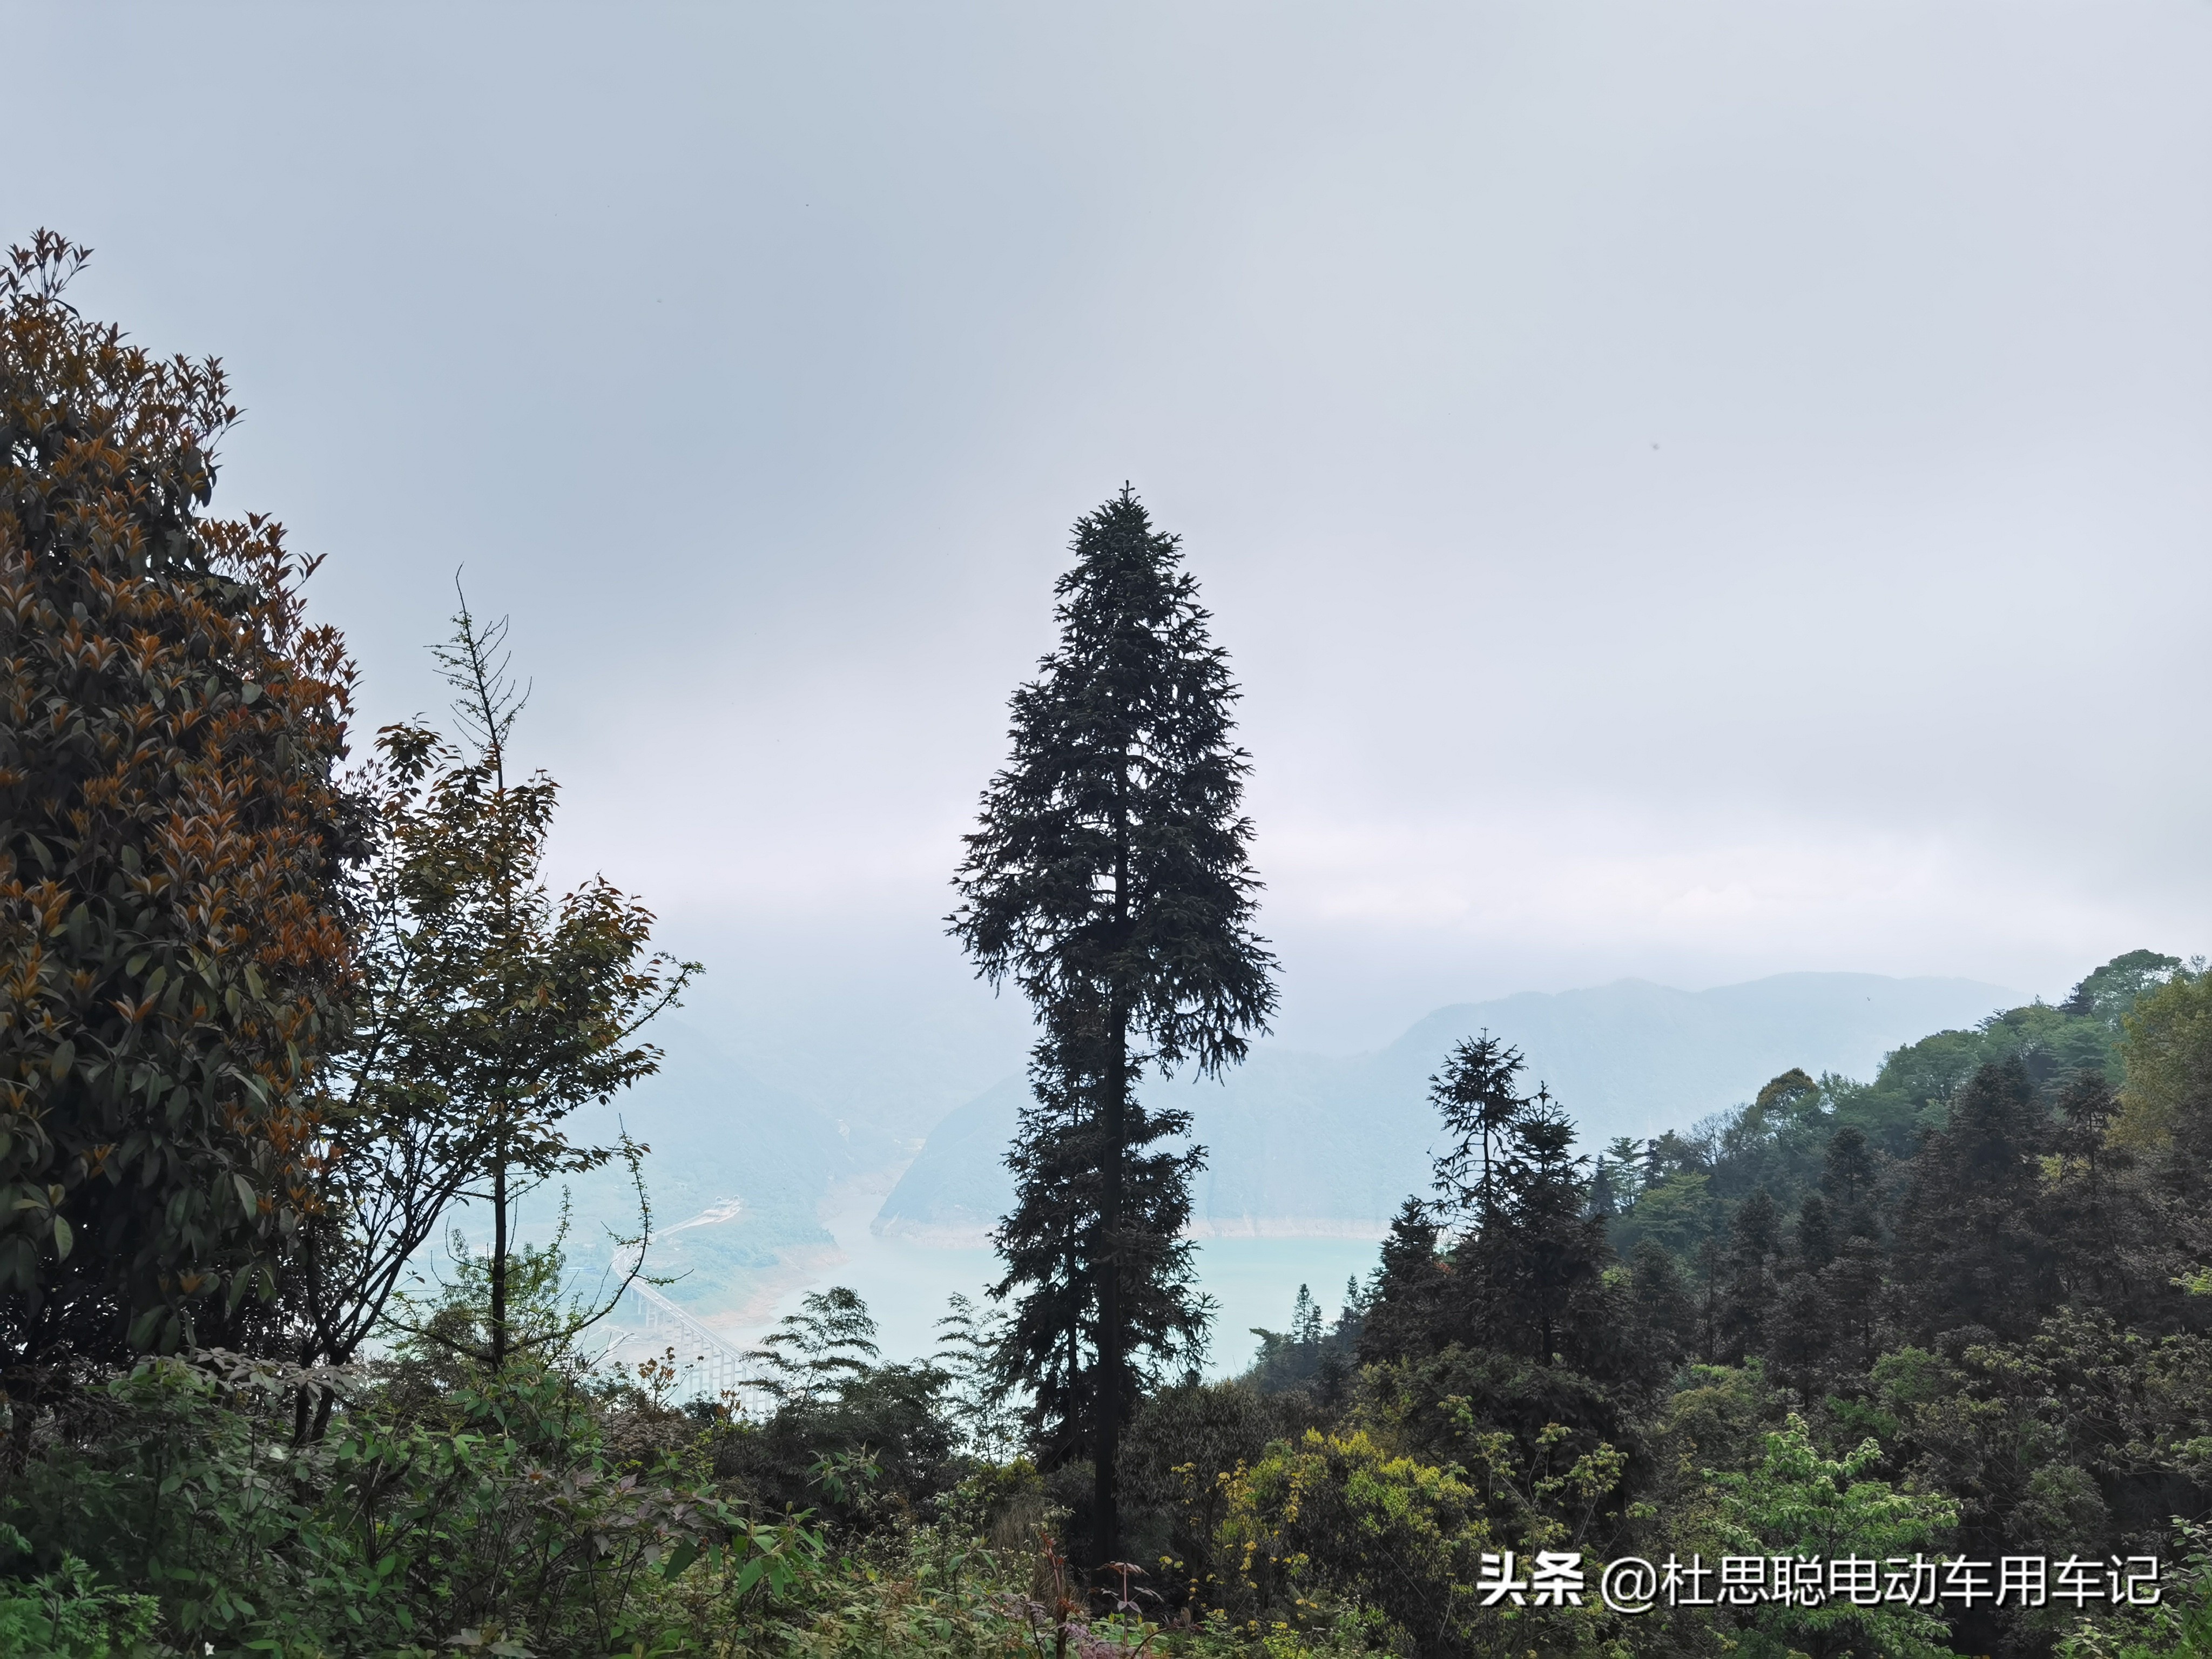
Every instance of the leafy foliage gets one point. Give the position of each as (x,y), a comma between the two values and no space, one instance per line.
(68,1615)
(174,950)
(1796,1502)
(490,1011)
(506,1519)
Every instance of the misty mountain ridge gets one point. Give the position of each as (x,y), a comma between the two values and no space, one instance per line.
(1316,1146)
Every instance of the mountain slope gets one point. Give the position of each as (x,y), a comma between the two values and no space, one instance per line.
(737,1171)
(1314,1144)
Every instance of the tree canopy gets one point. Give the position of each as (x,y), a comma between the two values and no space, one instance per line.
(176,950)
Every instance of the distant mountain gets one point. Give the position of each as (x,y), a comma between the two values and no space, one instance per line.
(1313,1146)
(737,1172)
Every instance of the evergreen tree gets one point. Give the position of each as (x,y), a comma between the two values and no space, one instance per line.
(1475,1094)
(174,837)
(1970,1242)
(1340,1350)
(1815,1238)
(1661,1325)
(1524,1274)
(1851,1298)
(1052,1240)
(2098,1234)
(1624,1164)
(1606,1198)
(1709,1297)
(1305,1320)
(1539,1256)
(1109,878)
(1310,1356)
(1754,1241)
(1849,1179)
(1402,1310)
(1799,1336)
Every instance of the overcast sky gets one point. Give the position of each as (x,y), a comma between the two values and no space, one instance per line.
(1690,490)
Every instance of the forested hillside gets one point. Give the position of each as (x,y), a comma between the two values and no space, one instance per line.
(1960,1311)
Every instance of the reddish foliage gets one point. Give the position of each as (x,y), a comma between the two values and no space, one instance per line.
(174,942)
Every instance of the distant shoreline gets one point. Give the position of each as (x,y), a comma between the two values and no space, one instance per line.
(963,1236)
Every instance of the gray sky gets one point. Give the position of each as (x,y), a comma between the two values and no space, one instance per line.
(1691,490)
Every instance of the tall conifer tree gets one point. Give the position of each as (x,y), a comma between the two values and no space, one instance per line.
(1109,879)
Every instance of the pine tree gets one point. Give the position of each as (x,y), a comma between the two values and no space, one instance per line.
(1754,1241)
(1799,1336)
(1815,1238)
(1476,1094)
(1305,1320)
(2099,1235)
(1851,1291)
(1970,1240)
(1709,1296)
(1053,1239)
(1848,1177)
(1661,1323)
(1525,1274)
(1623,1164)
(1109,878)
(1605,1200)
(1339,1350)
(1539,1256)
(1402,1312)
(1851,1281)
(1296,1358)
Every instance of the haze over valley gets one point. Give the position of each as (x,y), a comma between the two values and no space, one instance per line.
(764,1190)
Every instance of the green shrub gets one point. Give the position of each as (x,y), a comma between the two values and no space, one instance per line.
(2181,1622)
(1320,1529)
(510,1525)
(67,1614)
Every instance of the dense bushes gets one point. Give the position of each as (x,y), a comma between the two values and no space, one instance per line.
(506,1520)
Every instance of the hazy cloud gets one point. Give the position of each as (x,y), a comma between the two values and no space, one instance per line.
(1691,491)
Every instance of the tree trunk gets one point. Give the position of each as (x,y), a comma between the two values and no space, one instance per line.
(1106,1528)
(1106,1521)
(499,1258)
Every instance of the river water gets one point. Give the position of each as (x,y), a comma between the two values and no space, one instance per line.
(906,1284)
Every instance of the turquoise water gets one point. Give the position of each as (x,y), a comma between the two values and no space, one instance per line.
(1255,1281)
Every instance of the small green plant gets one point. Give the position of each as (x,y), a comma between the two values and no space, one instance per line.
(68,1615)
